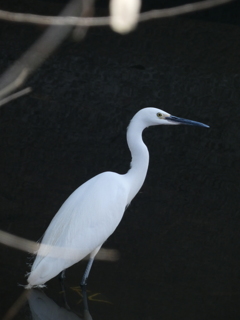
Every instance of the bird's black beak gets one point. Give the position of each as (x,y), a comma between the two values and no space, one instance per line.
(185,121)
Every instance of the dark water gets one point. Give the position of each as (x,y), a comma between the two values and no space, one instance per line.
(179,239)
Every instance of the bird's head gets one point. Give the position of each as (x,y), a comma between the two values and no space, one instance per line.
(154,116)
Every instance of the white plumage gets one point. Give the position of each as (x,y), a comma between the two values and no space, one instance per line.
(93,211)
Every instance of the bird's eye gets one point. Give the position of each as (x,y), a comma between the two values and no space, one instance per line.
(159,115)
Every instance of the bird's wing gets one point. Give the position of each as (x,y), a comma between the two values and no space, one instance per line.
(86,219)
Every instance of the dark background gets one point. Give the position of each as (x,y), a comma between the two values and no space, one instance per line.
(179,239)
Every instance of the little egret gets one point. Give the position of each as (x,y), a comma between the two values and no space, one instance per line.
(93,211)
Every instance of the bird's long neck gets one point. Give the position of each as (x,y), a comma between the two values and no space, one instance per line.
(140,158)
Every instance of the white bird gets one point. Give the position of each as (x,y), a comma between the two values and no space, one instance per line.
(93,211)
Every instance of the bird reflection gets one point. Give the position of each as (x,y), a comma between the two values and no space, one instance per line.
(44,308)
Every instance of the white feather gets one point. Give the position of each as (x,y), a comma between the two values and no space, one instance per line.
(92,212)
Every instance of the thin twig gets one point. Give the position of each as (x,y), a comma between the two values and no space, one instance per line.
(104,21)
(180,10)
(15,84)
(15,96)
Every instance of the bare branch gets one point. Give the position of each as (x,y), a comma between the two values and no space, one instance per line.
(18,304)
(180,10)
(60,28)
(32,247)
(104,21)
(18,242)
(40,50)
(15,96)
(15,84)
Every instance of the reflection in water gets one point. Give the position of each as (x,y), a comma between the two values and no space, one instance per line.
(44,308)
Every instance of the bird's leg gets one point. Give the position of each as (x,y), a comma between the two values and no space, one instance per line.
(86,273)
(62,275)
(85,304)
(89,265)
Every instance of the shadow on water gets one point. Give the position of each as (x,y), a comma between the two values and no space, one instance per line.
(43,308)
(36,303)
